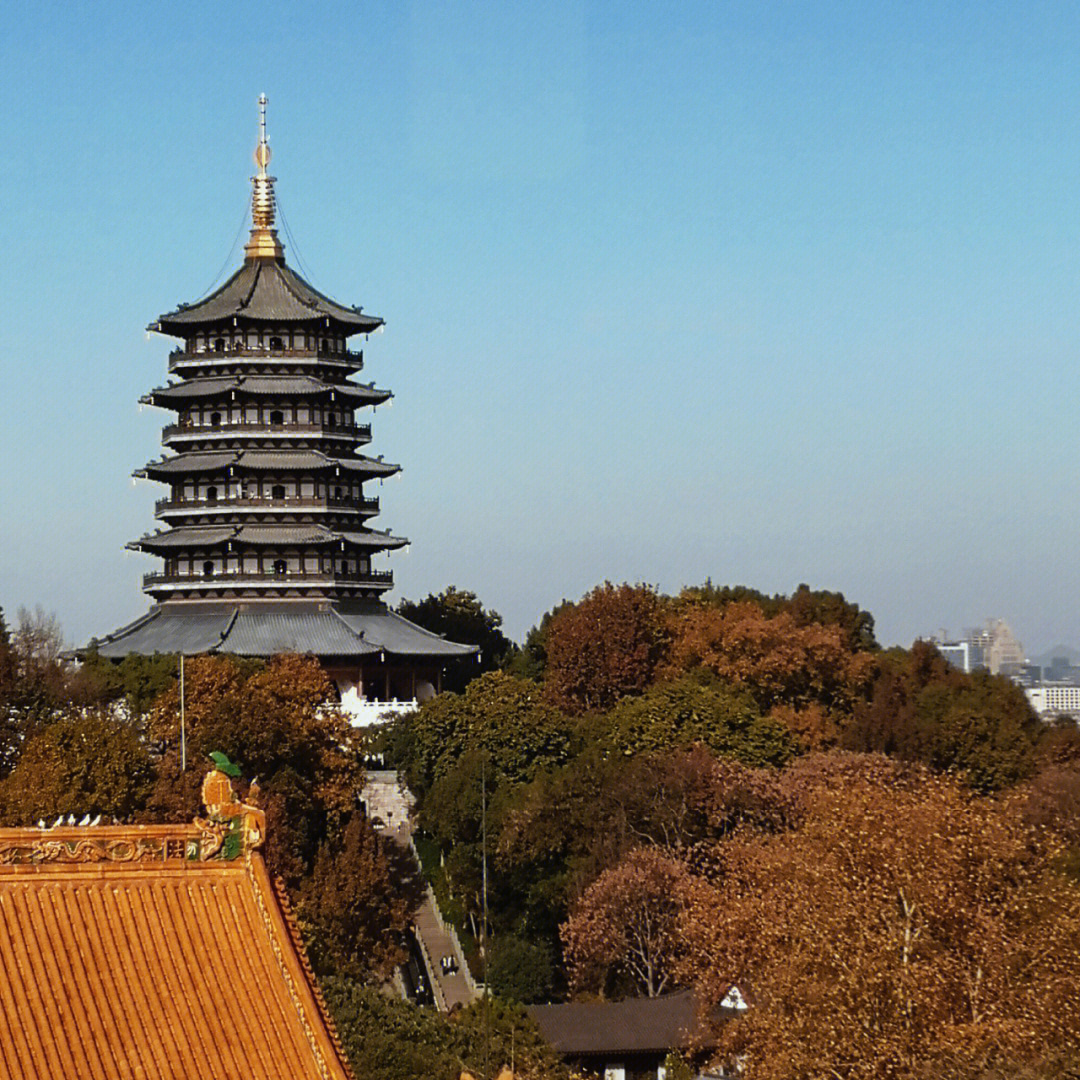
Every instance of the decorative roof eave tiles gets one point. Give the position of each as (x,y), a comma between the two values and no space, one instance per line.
(265,291)
(121,948)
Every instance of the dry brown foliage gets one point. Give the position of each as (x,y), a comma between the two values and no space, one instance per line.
(905,929)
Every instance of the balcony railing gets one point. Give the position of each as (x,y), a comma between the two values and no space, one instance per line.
(261,431)
(187,506)
(355,358)
(237,579)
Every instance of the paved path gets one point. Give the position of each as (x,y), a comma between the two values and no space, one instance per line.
(435,943)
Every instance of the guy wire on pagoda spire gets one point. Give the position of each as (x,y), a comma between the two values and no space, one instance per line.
(264,242)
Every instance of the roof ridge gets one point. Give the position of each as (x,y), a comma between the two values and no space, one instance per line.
(246,299)
(296,296)
(285,912)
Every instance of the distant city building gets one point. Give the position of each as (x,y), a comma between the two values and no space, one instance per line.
(1049,701)
(994,648)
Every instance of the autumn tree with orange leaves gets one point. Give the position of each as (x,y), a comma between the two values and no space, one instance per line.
(906,928)
(603,647)
(777,660)
(627,925)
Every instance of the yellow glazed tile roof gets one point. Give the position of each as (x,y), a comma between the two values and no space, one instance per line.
(141,953)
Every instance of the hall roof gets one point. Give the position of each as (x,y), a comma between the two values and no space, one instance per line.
(254,629)
(265,291)
(157,952)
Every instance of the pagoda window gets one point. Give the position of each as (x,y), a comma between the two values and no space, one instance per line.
(324,346)
(277,418)
(251,413)
(331,420)
(302,414)
(215,419)
(307,489)
(211,494)
(338,494)
(208,569)
(219,344)
(277,491)
(277,343)
(365,566)
(280,568)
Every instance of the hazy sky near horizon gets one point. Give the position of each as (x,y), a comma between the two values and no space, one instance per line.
(762,292)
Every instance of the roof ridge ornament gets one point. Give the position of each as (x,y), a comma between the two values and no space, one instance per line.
(264,242)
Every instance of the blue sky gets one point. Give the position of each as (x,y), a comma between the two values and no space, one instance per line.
(767,292)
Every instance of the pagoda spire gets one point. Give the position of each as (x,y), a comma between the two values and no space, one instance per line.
(264,242)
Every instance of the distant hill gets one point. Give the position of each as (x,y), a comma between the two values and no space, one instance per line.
(1044,658)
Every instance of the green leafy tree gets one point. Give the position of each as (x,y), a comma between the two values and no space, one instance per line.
(457,615)
(386,1038)
(922,709)
(520,970)
(504,716)
(530,661)
(675,715)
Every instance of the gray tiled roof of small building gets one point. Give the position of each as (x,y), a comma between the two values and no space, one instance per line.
(668,1022)
(266,290)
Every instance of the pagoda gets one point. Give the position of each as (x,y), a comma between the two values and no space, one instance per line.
(266,524)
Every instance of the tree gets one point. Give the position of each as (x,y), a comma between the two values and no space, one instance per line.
(775,659)
(85,762)
(386,1038)
(457,614)
(904,928)
(519,970)
(627,923)
(675,715)
(275,723)
(922,709)
(505,717)
(604,647)
(351,909)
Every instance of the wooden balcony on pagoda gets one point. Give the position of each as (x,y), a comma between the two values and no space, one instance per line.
(345,504)
(182,357)
(239,579)
(173,434)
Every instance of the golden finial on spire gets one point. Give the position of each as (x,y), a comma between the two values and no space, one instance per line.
(264,243)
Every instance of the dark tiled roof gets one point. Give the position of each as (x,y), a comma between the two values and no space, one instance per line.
(268,460)
(265,386)
(208,536)
(322,634)
(183,464)
(669,1022)
(396,635)
(267,291)
(338,630)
